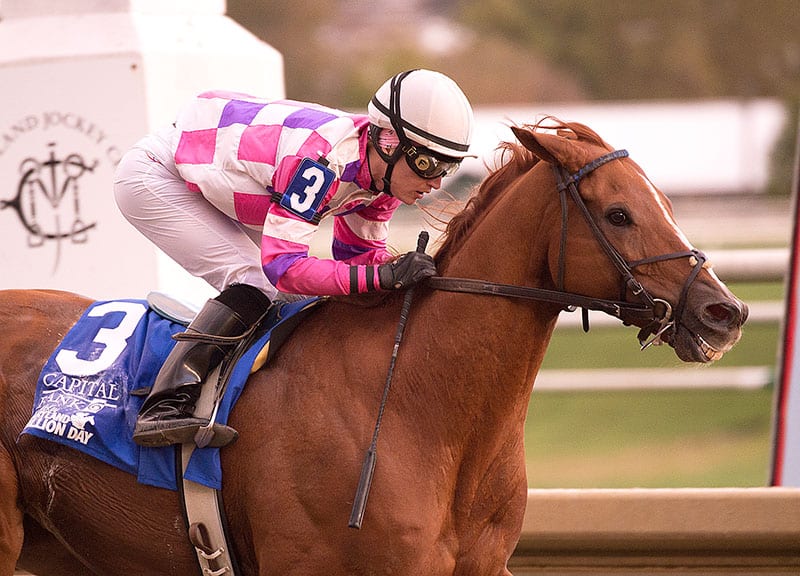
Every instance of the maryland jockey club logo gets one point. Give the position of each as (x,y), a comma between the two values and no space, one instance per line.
(49,178)
(48,200)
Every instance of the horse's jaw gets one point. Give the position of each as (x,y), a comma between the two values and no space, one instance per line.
(702,346)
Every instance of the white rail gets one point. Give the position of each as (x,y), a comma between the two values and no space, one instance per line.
(750,265)
(688,377)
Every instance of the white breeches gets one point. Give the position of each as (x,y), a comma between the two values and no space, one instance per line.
(154,198)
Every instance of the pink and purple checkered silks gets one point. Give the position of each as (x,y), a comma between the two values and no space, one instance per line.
(237,150)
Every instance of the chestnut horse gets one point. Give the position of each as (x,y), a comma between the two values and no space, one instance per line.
(564,222)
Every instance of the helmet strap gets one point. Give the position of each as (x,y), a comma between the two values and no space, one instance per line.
(390,159)
(396,120)
(387,182)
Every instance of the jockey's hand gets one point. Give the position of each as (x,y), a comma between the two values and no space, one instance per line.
(406,271)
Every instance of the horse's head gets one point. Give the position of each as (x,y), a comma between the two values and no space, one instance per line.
(619,240)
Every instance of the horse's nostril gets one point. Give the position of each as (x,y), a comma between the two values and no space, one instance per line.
(726,313)
(745,312)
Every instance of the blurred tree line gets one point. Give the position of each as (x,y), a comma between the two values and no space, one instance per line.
(523,52)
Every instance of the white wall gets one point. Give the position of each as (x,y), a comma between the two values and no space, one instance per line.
(697,147)
(82,81)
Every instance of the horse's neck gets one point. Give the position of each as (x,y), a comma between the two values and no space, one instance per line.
(493,346)
(509,241)
(488,352)
(510,336)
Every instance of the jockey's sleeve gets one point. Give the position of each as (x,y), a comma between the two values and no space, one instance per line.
(290,269)
(359,242)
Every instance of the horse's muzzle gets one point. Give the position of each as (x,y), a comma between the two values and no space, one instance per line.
(709,331)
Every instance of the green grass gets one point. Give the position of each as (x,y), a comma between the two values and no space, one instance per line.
(618,347)
(653,438)
(758,291)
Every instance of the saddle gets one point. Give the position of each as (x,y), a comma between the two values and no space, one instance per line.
(90,389)
(277,323)
(280,321)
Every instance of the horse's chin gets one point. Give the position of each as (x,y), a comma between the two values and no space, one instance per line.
(692,347)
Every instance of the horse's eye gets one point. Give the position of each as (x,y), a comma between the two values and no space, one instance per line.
(618,217)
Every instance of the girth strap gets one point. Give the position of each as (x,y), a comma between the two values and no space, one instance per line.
(203,507)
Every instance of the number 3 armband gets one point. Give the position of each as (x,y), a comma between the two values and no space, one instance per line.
(306,190)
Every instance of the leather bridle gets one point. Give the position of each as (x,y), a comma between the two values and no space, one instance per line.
(656,314)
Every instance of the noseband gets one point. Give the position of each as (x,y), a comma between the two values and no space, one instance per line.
(658,314)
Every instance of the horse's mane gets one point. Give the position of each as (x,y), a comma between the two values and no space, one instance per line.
(515,160)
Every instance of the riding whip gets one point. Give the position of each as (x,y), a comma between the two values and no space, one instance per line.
(368,467)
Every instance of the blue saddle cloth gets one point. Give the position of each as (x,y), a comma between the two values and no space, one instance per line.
(85,395)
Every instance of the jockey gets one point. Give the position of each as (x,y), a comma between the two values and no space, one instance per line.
(234,192)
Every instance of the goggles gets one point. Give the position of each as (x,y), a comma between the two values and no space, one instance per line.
(426,164)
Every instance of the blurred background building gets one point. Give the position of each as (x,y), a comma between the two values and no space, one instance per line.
(533,54)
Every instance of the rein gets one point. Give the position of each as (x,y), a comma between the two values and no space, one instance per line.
(657,312)
(569,300)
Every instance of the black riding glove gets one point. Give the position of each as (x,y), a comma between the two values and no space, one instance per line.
(406,271)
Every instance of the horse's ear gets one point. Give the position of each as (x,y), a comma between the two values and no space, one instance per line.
(553,148)
(530,140)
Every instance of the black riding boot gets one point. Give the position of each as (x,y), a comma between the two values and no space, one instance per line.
(167,416)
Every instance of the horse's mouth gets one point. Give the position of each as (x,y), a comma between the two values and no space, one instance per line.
(707,350)
(693,347)
(705,336)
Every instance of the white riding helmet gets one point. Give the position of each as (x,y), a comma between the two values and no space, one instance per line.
(427,108)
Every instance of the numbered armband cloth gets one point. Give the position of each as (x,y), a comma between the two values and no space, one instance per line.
(307,189)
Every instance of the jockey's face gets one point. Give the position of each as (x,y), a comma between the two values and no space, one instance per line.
(408,187)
